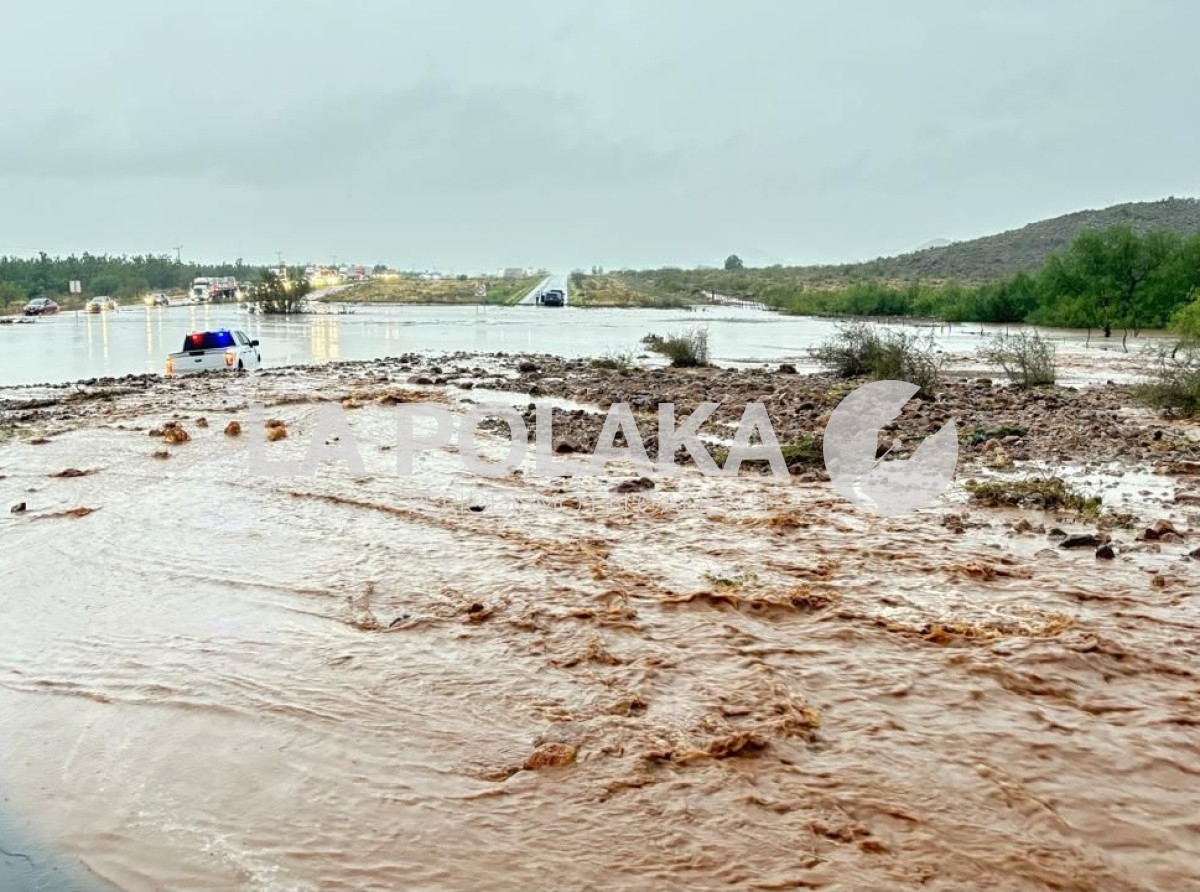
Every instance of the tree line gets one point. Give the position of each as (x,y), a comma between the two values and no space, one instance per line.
(22,278)
(1111,281)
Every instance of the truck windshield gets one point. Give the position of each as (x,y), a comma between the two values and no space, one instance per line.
(207,340)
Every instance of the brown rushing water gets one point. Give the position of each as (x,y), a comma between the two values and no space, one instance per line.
(220,681)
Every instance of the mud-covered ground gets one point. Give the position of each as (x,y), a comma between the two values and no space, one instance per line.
(211,679)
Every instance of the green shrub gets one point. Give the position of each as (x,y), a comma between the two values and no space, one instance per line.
(859,349)
(687,349)
(1028,359)
(1174,385)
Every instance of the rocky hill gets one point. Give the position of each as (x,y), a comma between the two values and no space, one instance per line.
(997,256)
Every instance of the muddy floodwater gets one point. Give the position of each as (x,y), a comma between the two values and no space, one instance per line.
(137,339)
(211,680)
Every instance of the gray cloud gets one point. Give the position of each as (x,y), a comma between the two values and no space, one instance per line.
(475,134)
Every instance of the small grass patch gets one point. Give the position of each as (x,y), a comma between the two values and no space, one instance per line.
(729,582)
(619,360)
(1045,493)
(806,452)
(982,434)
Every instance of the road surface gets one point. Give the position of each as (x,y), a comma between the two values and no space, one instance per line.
(547,283)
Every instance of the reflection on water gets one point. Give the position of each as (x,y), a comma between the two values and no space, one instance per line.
(324,338)
(76,345)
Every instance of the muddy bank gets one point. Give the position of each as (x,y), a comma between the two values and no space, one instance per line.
(215,680)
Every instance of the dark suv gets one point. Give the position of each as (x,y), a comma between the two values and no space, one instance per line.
(41,306)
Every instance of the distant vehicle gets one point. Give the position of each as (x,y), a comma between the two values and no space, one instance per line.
(215,351)
(41,306)
(157,300)
(553,297)
(201,289)
(100,303)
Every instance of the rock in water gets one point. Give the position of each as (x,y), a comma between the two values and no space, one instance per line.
(551,755)
(1079,540)
(637,484)
(18,508)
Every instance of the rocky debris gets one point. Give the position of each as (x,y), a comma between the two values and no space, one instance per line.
(18,508)
(160,453)
(954,523)
(526,367)
(551,755)
(1080,540)
(637,484)
(233,429)
(174,433)
(563,447)
(420,379)
(1056,533)
(276,430)
(1162,530)
(1105,553)
(71,472)
(787,368)
(1195,554)
(202,422)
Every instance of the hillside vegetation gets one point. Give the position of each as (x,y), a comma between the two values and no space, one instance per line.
(1143,272)
(413,290)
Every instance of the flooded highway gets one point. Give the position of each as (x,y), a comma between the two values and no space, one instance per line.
(213,680)
(135,340)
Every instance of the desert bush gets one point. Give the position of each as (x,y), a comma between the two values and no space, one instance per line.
(617,360)
(1028,359)
(1174,385)
(687,349)
(863,350)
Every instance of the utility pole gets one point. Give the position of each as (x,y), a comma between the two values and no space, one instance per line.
(178,248)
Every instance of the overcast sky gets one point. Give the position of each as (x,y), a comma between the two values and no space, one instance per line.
(566,133)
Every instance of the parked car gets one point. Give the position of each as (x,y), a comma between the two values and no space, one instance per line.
(212,351)
(41,306)
(552,298)
(157,300)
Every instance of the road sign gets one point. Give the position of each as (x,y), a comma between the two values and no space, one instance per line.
(76,287)
(481,289)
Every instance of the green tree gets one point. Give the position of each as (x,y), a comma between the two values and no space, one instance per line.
(1107,279)
(11,293)
(734,262)
(277,295)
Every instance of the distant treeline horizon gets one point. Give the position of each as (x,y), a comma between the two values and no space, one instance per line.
(1114,280)
(1110,280)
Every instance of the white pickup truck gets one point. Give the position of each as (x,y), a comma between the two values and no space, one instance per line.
(215,351)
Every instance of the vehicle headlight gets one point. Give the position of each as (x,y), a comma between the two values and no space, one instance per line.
(229,358)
